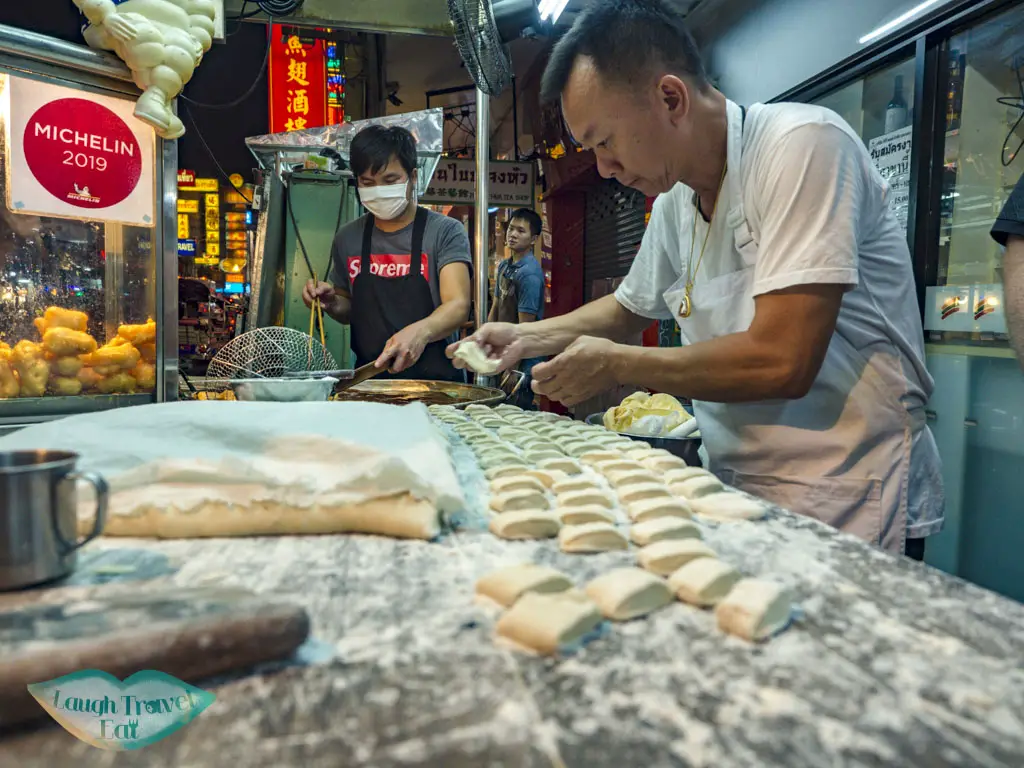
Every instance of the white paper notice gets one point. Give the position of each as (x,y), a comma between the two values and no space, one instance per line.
(891,153)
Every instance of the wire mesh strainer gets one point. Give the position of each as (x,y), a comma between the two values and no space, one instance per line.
(270,353)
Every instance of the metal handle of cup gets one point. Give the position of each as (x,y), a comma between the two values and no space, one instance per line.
(100,519)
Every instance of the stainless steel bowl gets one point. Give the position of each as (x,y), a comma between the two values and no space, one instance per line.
(284,390)
(686,448)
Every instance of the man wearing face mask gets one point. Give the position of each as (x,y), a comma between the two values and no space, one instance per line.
(401,274)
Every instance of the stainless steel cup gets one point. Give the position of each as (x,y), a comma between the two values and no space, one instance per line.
(39,514)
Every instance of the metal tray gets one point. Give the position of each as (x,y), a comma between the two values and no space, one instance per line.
(686,448)
(398,391)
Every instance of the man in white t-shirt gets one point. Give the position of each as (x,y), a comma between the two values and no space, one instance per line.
(773,246)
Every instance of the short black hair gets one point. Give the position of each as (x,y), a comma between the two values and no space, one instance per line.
(625,39)
(373,147)
(531,217)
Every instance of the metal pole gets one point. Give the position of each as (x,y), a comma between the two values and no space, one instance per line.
(483,156)
(515,120)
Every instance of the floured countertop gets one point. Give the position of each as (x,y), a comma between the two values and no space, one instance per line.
(892,663)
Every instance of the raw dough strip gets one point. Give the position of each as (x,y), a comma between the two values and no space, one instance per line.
(401,516)
(507,585)
(755,610)
(586,498)
(628,593)
(704,582)
(549,623)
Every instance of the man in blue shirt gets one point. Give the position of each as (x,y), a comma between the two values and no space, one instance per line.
(519,288)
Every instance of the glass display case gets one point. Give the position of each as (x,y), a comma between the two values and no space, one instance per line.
(960,151)
(82,290)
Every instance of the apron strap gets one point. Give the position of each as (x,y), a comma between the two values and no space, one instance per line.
(416,252)
(367,244)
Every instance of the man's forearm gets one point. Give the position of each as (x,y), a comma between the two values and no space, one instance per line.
(729,369)
(445,320)
(605,318)
(1013,294)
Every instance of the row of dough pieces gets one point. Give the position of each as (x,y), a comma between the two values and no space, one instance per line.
(545,614)
(649,483)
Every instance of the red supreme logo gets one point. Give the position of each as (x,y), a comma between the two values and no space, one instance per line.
(387,265)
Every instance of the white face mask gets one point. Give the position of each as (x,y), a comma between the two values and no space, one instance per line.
(386,202)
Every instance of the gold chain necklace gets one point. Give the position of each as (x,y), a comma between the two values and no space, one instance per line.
(686,305)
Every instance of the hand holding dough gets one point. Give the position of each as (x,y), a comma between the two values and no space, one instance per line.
(473,355)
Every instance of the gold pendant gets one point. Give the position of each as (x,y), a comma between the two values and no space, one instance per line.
(684,306)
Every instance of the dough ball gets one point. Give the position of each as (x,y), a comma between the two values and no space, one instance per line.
(507,585)
(547,623)
(703,582)
(591,538)
(473,355)
(667,557)
(526,524)
(629,593)
(755,610)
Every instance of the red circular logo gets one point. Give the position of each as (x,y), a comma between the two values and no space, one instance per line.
(82,153)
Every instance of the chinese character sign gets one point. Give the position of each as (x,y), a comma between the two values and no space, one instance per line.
(298,83)
(454,182)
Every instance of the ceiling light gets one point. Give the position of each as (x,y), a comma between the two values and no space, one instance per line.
(898,21)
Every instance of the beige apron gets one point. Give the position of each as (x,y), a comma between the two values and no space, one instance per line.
(841,454)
